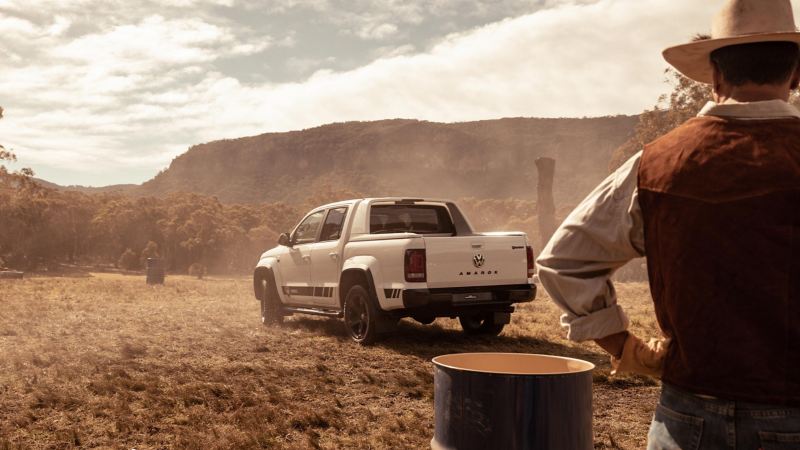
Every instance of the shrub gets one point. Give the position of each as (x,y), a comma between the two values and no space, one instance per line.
(198,270)
(150,251)
(128,260)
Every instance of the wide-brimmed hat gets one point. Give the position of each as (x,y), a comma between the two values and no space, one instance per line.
(739,22)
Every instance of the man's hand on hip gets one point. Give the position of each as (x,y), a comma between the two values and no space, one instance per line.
(640,357)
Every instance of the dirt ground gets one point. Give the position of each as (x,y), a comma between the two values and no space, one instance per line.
(107,361)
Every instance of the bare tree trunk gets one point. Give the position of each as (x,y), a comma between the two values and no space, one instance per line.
(545,205)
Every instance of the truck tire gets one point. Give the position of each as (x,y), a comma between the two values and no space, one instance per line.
(360,316)
(271,313)
(480,324)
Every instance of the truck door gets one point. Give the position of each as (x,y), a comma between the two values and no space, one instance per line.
(296,266)
(325,259)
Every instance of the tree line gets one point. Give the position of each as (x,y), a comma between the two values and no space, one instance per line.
(42,228)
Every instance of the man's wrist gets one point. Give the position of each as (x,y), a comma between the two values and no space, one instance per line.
(614,343)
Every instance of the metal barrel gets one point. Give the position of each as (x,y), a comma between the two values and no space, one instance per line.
(155,271)
(512,401)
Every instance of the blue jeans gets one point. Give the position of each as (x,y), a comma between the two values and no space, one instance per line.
(684,421)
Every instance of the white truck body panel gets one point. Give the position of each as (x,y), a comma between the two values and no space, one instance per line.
(466,261)
(387,265)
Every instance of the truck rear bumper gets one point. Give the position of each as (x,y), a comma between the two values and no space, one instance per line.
(452,301)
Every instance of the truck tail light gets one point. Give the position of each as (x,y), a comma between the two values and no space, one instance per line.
(531,266)
(415,266)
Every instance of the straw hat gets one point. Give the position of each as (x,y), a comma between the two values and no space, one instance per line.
(739,22)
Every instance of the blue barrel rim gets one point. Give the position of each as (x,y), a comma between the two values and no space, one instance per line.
(591,366)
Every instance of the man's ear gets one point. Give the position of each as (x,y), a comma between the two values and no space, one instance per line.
(717,81)
(795,78)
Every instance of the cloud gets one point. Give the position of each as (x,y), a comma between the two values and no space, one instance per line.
(156,41)
(15,26)
(305,65)
(378,32)
(127,97)
(59,27)
(573,60)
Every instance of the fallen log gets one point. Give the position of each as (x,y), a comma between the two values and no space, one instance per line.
(10,275)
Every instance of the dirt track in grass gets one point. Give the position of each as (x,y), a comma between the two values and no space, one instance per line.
(106,361)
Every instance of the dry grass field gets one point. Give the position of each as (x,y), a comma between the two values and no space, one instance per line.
(106,361)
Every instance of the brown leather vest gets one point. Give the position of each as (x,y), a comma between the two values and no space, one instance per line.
(721,205)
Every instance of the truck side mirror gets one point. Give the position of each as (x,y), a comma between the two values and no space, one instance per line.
(284,240)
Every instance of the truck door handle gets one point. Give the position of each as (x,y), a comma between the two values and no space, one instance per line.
(306,257)
(477,245)
(333,255)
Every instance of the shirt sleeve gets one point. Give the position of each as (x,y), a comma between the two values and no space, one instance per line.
(602,234)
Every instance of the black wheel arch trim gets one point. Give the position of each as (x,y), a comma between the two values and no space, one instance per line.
(261,273)
(370,286)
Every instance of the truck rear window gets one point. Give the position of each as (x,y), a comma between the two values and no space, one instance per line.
(422,219)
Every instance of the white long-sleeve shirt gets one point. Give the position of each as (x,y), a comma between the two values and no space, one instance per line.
(605,232)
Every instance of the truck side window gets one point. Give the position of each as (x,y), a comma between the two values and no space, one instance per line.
(332,229)
(307,231)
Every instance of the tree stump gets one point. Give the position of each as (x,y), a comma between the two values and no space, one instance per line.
(545,205)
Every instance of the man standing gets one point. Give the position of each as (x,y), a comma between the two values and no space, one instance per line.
(715,207)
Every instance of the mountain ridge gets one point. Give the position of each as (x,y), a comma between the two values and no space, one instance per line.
(403,157)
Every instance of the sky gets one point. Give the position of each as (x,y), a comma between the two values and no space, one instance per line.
(107,92)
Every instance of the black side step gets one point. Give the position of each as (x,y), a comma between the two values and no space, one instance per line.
(312,311)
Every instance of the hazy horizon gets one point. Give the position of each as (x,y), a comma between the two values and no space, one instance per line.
(111,97)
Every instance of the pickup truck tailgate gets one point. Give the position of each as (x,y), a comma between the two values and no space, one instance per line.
(479,260)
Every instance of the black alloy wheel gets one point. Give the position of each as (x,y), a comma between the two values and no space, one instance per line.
(480,324)
(270,307)
(360,316)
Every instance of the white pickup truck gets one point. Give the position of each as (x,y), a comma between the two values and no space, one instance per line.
(374,261)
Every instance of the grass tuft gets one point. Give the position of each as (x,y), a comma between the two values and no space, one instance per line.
(130,350)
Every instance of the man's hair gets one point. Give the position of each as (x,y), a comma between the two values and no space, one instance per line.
(759,63)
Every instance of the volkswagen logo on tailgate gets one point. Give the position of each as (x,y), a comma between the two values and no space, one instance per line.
(478,260)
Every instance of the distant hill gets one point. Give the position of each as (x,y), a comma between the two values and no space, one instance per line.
(118,188)
(484,159)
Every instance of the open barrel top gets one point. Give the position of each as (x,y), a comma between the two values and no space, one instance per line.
(513,363)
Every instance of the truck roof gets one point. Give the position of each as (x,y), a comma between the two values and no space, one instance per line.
(384,199)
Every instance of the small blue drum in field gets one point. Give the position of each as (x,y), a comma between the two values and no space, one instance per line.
(155,271)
